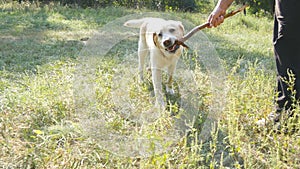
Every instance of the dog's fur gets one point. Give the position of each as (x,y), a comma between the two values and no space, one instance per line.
(157,38)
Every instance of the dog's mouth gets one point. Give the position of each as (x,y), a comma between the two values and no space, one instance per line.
(173,48)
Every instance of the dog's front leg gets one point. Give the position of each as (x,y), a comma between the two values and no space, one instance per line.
(169,86)
(157,85)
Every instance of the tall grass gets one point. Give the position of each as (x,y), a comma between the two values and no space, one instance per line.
(40,129)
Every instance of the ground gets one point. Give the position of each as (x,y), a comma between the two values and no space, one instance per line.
(42,49)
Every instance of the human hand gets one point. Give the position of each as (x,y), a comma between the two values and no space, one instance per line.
(216,18)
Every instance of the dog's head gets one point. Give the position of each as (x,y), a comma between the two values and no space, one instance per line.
(165,38)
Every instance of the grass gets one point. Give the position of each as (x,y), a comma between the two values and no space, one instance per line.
(40,126)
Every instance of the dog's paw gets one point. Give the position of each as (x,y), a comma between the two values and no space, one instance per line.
(159,102)
(170,90)
(140,81)
(160,105)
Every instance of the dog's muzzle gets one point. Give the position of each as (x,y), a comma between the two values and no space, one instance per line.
(173,48)
(170,47)
(168,44)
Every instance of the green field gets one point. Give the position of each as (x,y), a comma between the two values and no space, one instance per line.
(43,123)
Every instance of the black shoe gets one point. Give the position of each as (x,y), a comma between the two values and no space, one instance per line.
(284,122)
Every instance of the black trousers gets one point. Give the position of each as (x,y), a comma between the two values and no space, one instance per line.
(286,42)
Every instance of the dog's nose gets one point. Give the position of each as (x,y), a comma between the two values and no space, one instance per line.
(167,43)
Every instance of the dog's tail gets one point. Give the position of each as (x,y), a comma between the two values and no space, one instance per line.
(135,23)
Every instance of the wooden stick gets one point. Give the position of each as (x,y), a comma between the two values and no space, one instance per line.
(205,25)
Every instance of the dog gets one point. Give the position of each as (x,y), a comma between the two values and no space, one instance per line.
(157,38)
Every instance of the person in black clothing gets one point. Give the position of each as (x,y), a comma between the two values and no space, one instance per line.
(286,41)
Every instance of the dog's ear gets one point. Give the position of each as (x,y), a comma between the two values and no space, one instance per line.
(155,38)
(181,26)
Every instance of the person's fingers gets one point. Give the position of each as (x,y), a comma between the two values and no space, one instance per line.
(219,21)
(210,20)
(215,21)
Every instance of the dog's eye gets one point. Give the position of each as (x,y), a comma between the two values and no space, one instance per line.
(160,34)
(172,30)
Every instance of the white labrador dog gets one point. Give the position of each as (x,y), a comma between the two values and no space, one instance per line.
(157,37)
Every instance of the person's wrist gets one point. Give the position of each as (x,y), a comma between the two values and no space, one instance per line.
(220,11)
